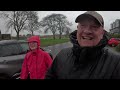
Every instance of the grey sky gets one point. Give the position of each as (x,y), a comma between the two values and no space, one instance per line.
(109,17)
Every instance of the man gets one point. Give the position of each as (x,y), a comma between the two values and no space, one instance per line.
(36,62)
(88,58)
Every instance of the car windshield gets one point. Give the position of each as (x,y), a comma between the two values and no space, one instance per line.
(8,50)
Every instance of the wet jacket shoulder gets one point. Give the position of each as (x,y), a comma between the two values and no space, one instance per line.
(108,67)
(112,62)
(61,60)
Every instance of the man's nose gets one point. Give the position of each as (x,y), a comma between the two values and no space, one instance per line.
(88,30)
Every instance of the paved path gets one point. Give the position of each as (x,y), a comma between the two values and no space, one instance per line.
(55,49)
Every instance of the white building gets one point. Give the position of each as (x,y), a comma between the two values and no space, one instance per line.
(115,27)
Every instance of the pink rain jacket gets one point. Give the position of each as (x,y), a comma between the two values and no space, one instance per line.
(36,63)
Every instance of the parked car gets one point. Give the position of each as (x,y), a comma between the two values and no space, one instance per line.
(114,42)
(12,53)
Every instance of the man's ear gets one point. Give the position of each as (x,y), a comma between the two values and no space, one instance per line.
(103,32)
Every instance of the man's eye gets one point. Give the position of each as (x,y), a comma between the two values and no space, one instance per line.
(95,26)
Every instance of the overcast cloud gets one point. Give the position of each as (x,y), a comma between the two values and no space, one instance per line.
(109,17)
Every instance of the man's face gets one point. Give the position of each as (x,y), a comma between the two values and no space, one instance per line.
(89,33)
(33,45)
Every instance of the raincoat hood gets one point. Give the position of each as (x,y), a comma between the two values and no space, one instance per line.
(36,39)
(92,53)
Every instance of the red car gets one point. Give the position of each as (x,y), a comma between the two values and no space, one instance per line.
(114,42)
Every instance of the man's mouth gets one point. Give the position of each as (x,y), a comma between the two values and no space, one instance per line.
(87,38)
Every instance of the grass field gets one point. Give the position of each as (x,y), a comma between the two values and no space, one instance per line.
(50,41)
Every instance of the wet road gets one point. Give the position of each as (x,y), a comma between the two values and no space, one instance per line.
(55,49)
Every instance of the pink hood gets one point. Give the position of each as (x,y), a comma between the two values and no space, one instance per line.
(34,38)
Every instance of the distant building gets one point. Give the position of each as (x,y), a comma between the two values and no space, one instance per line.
(115,27)
(5,36)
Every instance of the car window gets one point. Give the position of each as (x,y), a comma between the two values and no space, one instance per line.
(24,47)
(8,50)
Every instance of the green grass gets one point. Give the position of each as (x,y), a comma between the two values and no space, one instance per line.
(50,41)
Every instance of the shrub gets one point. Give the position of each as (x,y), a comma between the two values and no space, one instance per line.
(115,35)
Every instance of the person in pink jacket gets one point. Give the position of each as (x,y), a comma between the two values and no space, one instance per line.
(36,62)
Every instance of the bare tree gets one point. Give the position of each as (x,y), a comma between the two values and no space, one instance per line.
(49,23)
(16,20)
(55,22)
(63,24)
(33,24)
(67,31)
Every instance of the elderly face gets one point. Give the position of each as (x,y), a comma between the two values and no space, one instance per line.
(33,45)
(89,33)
